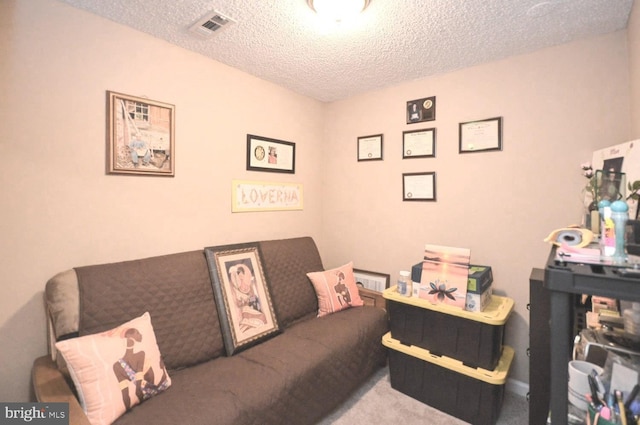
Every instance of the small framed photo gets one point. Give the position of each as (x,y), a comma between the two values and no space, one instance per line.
(421,110)
(242,295)
(140,136)
(370,148)
(482,135)
(419,143)
(272,155)
(371,280)
(419,186)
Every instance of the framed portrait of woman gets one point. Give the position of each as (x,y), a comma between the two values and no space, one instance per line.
(242,295)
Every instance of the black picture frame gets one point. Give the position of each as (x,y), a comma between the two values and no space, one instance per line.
(270,155)
(370,148)
(419,187)
(419,143)
(421,110)
(480,135)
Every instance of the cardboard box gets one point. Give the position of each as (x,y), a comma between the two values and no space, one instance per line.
(480,277)
(474,338)
(478,302)
(473,395)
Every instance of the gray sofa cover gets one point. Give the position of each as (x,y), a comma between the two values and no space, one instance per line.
(295,377)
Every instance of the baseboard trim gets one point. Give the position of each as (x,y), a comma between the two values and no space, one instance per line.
(517,387)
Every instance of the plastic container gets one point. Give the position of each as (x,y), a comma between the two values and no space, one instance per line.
(474,338)
(579,383)
(404,286)
(473,395)
(620,216)
(608,243)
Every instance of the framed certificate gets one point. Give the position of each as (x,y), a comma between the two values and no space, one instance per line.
(482,135)
(370,148)
(419,143)
(419,186)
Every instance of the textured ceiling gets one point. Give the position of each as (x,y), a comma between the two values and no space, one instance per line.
(284,41)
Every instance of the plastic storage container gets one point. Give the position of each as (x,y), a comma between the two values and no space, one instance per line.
(474,338)
(404,286)
(473,395)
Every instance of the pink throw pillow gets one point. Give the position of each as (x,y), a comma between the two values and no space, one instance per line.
(336,289)
(115,370)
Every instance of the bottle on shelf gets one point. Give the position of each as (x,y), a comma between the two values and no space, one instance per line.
(619,216)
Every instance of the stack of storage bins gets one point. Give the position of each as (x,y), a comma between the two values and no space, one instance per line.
(449,358)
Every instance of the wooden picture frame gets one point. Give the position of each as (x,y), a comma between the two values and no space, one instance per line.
(419,186)
(481,136)
(419,143)
(242,295)
(140,136)
(370,147)
(271,155)
(373,281)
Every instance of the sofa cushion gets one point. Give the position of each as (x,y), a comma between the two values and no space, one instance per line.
(115,370)
(286,264)
(336,289)
(175,289)
(296,377)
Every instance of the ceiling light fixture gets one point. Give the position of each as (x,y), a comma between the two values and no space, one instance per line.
(338,10)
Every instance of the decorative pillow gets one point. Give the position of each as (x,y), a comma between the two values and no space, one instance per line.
(115,370)
(336,289)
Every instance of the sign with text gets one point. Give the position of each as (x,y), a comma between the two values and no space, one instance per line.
(34,413)
(265,196)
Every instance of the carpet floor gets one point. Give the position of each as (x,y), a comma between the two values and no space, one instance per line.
(377,403)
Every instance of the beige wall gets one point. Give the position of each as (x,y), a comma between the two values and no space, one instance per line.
(558,105)
(61,210)
(634,61)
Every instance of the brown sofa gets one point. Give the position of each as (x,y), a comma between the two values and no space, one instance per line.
(295,377)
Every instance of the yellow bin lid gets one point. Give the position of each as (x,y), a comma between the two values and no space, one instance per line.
(495,313)
(498,376)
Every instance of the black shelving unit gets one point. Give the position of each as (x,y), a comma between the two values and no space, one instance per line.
(564,280)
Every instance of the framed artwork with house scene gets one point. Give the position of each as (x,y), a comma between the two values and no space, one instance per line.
(140,136)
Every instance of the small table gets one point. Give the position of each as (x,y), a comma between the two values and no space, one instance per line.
(372,298)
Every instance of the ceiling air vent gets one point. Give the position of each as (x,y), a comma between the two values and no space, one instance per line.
(210,23)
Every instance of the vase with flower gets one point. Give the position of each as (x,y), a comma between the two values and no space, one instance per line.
(589,198)
(632,198)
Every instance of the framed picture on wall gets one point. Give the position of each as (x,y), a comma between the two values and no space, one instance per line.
(481,135)
(419,186)
(272,155)
(370,148)
(421,110)
(140,136)
(419,143)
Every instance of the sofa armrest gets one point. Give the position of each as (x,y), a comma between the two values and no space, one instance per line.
(50,386)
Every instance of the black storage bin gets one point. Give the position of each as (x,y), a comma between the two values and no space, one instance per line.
(473,395)
(474,338)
